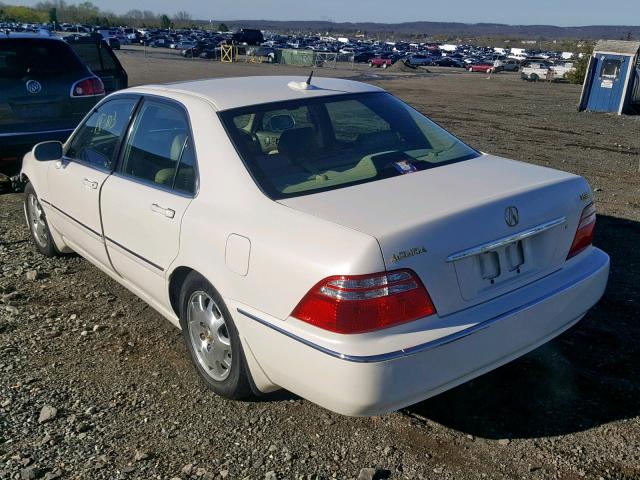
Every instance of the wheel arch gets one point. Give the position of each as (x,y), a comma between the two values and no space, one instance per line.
(176,279)
(259,381)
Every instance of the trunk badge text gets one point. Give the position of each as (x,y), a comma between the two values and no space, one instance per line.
(511,216)
(407,254)
(33,86)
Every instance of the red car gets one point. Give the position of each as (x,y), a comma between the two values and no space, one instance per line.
(481,67)
(383,61)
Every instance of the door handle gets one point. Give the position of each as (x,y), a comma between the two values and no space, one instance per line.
(90,183)
(167,212)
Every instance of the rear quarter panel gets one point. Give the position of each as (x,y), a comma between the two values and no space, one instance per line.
(290,251)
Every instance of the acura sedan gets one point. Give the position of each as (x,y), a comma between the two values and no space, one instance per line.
(319,236)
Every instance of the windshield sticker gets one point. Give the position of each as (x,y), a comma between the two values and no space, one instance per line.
(404,166)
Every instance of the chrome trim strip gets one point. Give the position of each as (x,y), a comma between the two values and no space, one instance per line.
(97,234)
(148,262)
(42,132)
(383,357)
(506,240)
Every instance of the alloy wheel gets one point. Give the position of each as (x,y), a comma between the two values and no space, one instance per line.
(209,335)
(36,221)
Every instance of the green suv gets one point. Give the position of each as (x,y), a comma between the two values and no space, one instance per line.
(45,90)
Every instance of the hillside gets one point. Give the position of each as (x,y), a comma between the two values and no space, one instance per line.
(449,29)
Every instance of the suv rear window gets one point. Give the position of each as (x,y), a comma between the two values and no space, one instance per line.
(33,56)
(94,56)
(307,146)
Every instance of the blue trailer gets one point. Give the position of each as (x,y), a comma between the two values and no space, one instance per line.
(612,82)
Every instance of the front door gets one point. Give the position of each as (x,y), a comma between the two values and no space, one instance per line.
(144,200)
(608,83)
(75,181)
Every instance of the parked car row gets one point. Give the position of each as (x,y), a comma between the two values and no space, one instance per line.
(382,54)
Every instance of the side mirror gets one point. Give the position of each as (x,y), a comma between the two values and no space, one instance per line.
(47,151)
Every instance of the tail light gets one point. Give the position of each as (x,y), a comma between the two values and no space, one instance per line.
(584,233)
(89,87)
(363,303)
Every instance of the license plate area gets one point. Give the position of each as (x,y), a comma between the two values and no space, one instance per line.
(501,263)
(490,269)
(497,267)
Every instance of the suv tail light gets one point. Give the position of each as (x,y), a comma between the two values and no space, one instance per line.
(89,87)
(362,303)
(584,233)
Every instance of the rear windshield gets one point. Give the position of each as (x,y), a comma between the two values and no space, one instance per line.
(306,146)
(33,56)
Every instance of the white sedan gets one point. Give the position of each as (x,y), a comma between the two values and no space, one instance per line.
(325,238)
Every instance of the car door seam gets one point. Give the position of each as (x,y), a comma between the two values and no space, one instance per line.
(104,237)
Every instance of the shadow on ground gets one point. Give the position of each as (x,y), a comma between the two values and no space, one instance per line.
(585,378)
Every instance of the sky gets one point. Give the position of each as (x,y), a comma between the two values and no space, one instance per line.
(515,12)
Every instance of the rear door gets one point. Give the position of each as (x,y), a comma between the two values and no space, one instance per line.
(75,182)
(144,200)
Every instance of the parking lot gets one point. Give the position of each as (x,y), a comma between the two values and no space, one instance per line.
(128,404)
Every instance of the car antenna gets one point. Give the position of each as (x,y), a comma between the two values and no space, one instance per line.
(306,85)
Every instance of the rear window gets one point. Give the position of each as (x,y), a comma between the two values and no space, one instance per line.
(307,146)
(32,56)
(94,56)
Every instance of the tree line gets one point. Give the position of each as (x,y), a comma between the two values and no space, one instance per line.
(59,11)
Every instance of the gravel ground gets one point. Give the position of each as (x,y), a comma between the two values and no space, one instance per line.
(96,385)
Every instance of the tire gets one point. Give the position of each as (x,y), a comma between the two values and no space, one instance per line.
(204,318)
(534,77)
(385,66)
(370,64)
(37,223)
(470,69)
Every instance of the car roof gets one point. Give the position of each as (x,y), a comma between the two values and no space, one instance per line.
(16,35)
(227,93)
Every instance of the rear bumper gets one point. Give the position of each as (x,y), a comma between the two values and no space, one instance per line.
(378,382)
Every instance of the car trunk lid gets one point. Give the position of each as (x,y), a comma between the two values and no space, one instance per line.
(455,225)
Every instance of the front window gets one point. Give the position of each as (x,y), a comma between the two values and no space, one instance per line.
(95,142)
(307,146)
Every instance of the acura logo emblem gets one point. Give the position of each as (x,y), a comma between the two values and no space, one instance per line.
(511,216)
(33,86)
